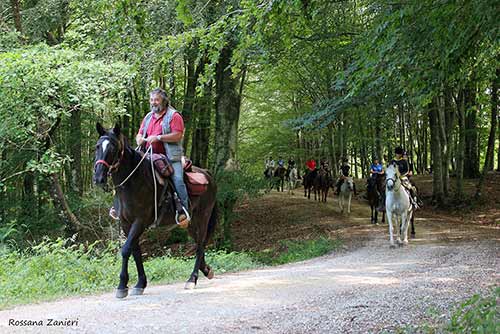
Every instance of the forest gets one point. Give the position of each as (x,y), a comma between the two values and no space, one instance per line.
(252,79)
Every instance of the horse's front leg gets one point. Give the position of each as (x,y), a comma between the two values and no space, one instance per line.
(132,236)
(391,236)
(349,203)
(404,228)
(142,281)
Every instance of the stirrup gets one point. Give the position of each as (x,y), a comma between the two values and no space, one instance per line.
(113,214)
(184,222)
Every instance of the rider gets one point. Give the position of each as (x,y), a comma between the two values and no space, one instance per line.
(376,168)
(281,162)
(410,174)
(269,163)
(404,170)
(344,172)
(165,138)
(311,165)
(291,163)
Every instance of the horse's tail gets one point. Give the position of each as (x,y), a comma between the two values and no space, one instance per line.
(212,222)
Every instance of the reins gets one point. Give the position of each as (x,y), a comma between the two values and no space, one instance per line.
(114,167)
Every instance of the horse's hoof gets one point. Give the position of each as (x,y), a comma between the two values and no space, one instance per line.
(392,246)
(211,274)
(137,292)
(121,293)
(189,286)
(412,235)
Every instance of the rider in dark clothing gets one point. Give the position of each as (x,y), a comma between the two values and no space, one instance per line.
(404,170)
(344,172)
(291,163)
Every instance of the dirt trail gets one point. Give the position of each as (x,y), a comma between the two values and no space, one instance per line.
(367,289)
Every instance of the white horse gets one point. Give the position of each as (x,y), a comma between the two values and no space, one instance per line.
(397,205)
(346,190)
(293,178)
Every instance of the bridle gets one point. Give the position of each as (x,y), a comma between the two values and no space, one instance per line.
(113,167)
(394,180)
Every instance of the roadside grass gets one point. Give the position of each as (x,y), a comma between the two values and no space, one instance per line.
(55,269)
(293,251)
(479,315)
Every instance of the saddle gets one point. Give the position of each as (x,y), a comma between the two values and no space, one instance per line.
(196,182)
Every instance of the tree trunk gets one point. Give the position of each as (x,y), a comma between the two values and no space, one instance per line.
(437,163)
(471,160)
(201,136)
(190,95)
(488,161)
(459,193)
(425,141)
(447,123)
(378,137)
(75,141)
(16,13)
(227,110)
(72,223)
(331,146)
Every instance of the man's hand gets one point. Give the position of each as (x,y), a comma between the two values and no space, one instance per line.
(140,140)
(151,139)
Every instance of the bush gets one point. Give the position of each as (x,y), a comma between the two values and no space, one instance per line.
(477,315)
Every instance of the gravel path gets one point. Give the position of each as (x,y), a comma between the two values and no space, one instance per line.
(371,289)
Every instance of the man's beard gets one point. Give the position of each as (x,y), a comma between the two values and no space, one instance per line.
(156,109)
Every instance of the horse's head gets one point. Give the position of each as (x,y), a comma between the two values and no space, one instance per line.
(350,183)
(372,182)
(391,176)
(108,153)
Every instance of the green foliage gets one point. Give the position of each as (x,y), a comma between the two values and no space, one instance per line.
(478,314)
(233,186)
(40,88)
(293,251)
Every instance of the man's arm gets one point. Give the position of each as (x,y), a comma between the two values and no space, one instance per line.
(139,138)
(173,137)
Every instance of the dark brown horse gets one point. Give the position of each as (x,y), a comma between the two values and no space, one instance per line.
(375,188)
(308,181)
(322,184)
(279,178)
(135,192)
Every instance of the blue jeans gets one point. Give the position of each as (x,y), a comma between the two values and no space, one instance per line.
(180,186)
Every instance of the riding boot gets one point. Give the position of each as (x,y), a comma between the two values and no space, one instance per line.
(114,211)
(413,199)
(337,187)
(182,216)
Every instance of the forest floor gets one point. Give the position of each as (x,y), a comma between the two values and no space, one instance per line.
(363,288)
(261,224)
